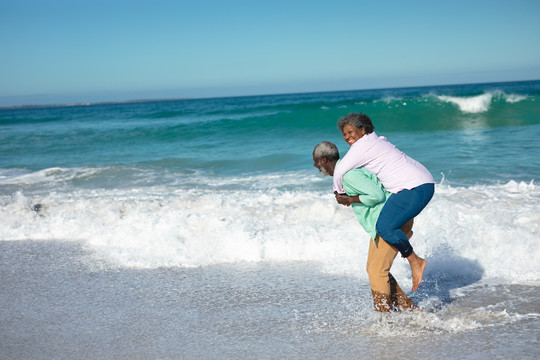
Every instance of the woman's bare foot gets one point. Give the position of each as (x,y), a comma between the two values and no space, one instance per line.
(418,266)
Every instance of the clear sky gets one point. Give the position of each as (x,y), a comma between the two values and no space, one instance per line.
(98,50)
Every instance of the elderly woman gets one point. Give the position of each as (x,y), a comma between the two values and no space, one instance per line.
(410,183)
(367,197)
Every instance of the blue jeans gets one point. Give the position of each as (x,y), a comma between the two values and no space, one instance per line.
(399,209)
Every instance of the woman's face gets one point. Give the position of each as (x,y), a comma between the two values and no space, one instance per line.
(352,134)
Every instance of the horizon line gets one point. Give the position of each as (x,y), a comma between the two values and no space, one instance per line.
(136,101)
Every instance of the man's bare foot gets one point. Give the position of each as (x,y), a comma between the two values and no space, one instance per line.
(418,266)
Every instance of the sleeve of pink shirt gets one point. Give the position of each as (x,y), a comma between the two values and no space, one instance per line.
(351,160)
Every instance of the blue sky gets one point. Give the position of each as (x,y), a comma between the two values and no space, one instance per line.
(92,50)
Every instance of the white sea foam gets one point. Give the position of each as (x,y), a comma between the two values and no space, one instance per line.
(479,231)
(472,104)
(514,98)
(480,103)
(420,324)
(53,175)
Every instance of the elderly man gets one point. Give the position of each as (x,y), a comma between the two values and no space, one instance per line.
(367,197)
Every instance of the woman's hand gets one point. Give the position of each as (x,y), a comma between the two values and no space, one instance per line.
(345,199)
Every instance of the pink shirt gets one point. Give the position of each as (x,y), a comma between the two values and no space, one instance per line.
(395,170)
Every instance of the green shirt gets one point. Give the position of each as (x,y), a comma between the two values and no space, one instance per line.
(371,193)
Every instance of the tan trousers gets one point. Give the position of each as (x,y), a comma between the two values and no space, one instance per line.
(387,295)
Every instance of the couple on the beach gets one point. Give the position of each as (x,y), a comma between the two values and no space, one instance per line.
(386,190)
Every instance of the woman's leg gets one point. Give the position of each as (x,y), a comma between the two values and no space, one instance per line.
(399,209)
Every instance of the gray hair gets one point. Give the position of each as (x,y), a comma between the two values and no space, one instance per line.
(358,120)
(326,149)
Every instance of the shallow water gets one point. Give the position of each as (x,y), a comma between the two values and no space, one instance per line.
(59,301)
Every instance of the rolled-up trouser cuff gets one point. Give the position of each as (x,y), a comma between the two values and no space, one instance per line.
(407,252)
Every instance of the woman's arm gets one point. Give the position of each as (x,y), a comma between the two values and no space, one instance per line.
(352,159)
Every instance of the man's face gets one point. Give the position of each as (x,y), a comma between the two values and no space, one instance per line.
(318,163)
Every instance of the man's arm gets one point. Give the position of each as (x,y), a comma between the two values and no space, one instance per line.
(346,200)
(360,188)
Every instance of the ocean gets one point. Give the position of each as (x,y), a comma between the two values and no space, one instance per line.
(199,229)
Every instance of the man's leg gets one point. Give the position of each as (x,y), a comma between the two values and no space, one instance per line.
(378,269)
(400,301)
(380,258)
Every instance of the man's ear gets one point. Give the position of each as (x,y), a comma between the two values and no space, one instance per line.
(324,160)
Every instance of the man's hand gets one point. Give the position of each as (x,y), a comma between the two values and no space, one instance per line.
(345,199)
